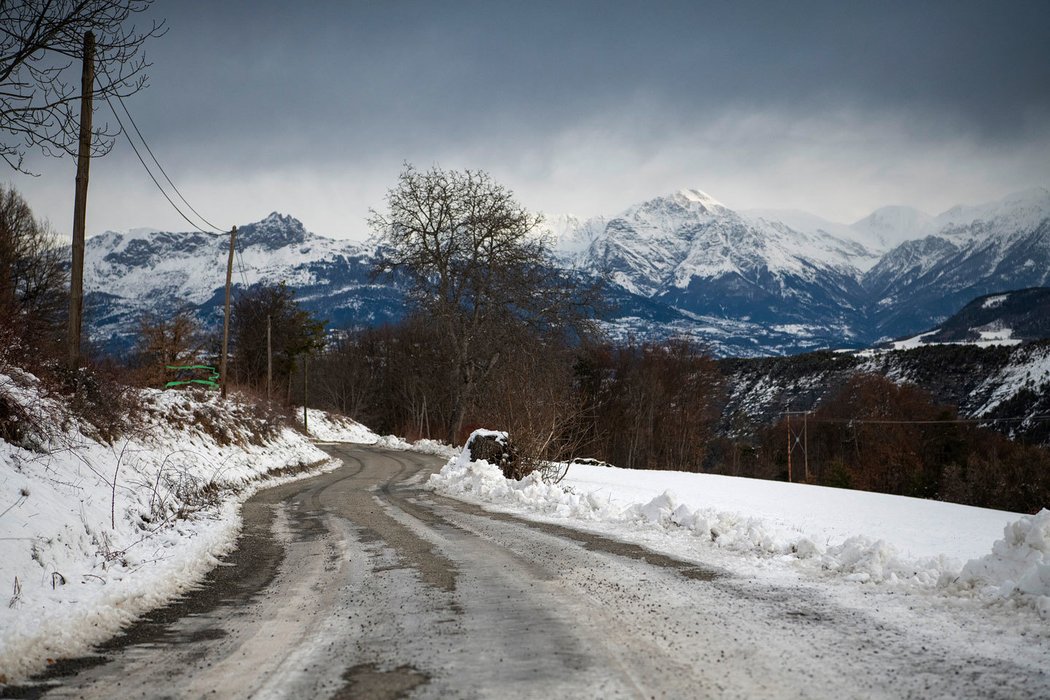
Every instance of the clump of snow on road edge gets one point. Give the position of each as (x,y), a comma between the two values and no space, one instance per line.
(324,426)
(1018,568)
(1019,565)
(424,446)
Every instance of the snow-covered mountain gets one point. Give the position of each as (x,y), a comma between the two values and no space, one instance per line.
(796,281)
(754,283)
(966,252)
(715,269)
(890,226)
(130,274)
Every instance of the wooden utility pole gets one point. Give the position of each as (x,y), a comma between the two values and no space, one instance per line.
(76,276)
(269,357)
(800,440)
(306,383)
(226,317)
(805,442)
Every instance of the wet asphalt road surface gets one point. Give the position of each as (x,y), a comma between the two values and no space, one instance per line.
(361,584)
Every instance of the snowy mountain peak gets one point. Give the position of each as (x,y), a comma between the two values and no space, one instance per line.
(275,231)
(1019,210)
(693,196)
(892,225)
(277,218)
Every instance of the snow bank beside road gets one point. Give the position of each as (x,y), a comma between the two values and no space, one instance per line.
(862,537)
(93,534)
(328,427)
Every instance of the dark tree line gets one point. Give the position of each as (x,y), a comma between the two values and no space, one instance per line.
(652,405)
(646,406)
(876,435)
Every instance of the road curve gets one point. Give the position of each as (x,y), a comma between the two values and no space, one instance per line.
(360,584)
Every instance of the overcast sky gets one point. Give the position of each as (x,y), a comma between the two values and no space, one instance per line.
(310,108)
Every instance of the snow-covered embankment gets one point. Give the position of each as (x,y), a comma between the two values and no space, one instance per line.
(877,539)
(94,532)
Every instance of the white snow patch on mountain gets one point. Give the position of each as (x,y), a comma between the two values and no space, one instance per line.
(995,301)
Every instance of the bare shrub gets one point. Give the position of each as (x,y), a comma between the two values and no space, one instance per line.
(498,450)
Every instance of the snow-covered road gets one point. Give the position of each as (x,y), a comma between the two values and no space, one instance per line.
(361,583)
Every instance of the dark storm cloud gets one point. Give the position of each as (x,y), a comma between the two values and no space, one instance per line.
(838,107)
(364,74)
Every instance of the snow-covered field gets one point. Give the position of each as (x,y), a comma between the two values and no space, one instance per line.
(986,557)
(93,534)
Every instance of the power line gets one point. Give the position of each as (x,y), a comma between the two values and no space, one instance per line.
(149,171)
(880,421)
(161,167)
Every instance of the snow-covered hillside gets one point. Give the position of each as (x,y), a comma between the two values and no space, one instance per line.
(1007,384)
(94,532)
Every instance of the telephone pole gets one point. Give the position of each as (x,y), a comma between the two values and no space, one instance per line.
(76,276)
(800,440)
(226,317)
(269,357)
(805,442)
(306,383)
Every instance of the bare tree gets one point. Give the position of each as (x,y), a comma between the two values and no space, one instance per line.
(33,275)
(40,53)
(167,341)
(476,269)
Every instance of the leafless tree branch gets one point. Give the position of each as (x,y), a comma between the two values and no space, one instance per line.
(40,56)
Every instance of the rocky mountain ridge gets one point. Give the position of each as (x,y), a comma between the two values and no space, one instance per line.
(746,284)
(891,274)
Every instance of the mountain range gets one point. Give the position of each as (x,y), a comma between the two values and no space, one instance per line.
(746,283)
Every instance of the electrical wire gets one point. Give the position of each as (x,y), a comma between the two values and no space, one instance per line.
(240,264)
(876,421)
(127,135)
(161,167)
(152,176)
